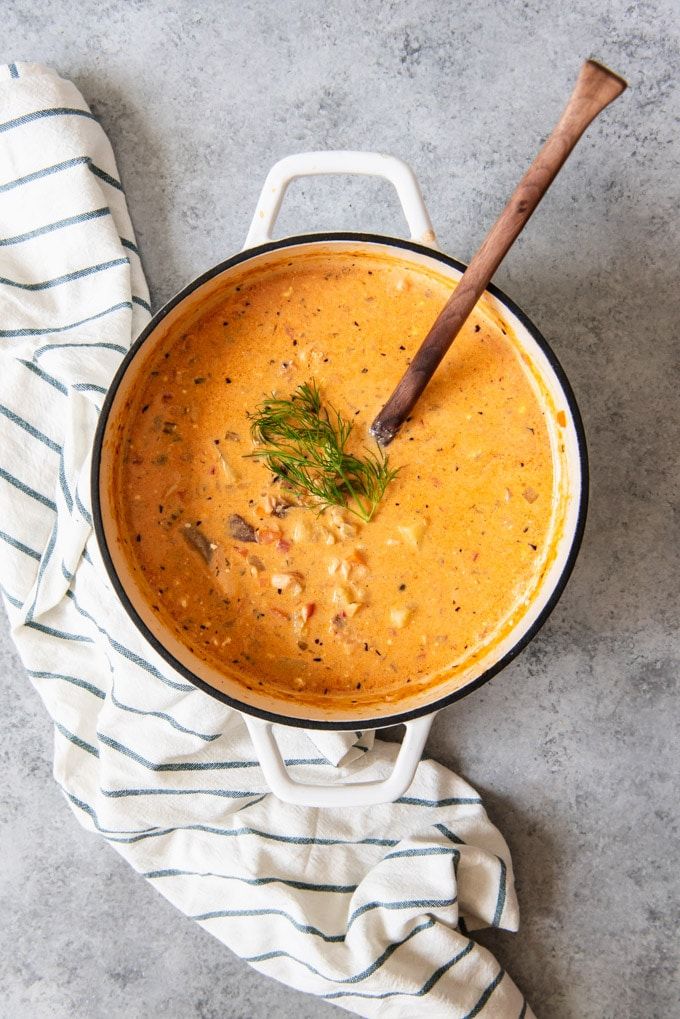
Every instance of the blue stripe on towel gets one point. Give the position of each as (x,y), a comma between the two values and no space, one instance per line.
(485,996)
(66,164)
(196,765)
(27,490)
(63,484)
(500,902)
(450,834)
(305,928)
(52,631)
(49,379)
(73,680)
(296,840)
(229,794)
(16,419)
(130,246)
(425,989)
(11,599)
(11,333)
(76,740)
(88,387)
(55,111)
(44,563)
(408,904)
(106,177)
(59,224)
(83,509)
(206,737)
(448,801)
(425,851)
(357,977)
(131,656)
(304,886)
(69,277)
(100,345)
(19,545)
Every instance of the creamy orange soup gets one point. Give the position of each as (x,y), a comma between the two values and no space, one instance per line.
(321,608)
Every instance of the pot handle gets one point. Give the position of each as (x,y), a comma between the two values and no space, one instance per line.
(348,794)
(309,164)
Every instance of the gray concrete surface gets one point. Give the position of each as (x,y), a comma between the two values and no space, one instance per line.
(576,745)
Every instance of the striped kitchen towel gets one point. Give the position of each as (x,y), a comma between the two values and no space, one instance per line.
(368,908)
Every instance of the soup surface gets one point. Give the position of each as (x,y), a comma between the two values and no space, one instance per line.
(322,607)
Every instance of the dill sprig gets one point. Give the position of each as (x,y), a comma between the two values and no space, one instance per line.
(305,443)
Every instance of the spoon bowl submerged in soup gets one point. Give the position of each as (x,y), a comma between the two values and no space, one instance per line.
(315,607)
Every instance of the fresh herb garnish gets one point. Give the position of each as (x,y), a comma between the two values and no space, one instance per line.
(305,443)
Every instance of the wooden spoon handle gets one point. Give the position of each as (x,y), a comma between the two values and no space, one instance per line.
(596,87)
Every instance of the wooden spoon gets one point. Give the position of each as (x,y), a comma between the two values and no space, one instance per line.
(596,87)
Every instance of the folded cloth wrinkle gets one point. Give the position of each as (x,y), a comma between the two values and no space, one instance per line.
(365,908)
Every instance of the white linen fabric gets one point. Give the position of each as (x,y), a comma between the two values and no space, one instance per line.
(368,908)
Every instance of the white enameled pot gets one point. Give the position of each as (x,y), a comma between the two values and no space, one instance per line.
(262,710)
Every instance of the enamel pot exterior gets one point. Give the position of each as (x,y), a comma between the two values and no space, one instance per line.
(259,710)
